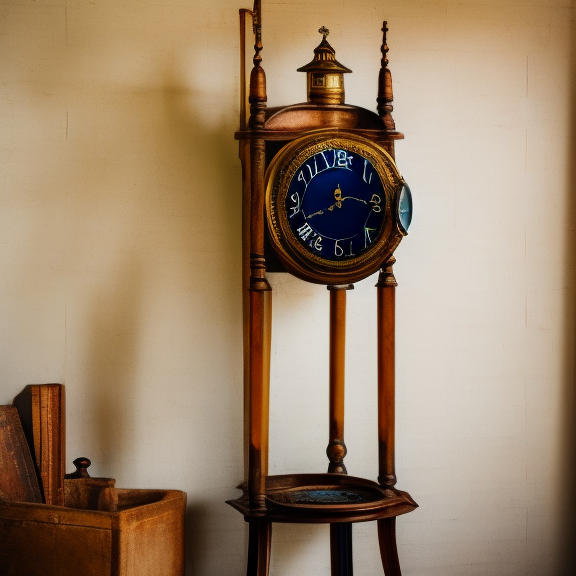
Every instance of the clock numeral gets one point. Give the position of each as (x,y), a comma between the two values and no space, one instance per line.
(338,250)
(328,165)
(307,234)
(343,160)
(367,238)
(302,178)
(367,177)
(313,172)
(305,231)
(375,201)
(295,209)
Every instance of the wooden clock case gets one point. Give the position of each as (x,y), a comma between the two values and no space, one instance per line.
(334,497)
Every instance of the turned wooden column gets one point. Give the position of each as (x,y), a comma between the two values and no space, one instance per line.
(260,295)
(386,350)
(336,450)
(244,153)
(386,289)
(340,533)
(259,544)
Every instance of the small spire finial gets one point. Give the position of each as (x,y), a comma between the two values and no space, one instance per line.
(384,48)
(385,96)
(324,31)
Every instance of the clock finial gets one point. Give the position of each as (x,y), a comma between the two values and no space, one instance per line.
(257,92)
(385,95)
(325,74)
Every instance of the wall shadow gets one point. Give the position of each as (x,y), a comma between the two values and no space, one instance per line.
(213,148)
(112,360)
(107,220)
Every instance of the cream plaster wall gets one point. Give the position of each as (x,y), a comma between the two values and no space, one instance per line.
(120,277)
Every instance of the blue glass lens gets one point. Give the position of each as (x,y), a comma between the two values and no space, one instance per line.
(405,207)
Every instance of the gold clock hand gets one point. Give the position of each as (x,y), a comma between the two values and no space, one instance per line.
(338,196)
(338,204)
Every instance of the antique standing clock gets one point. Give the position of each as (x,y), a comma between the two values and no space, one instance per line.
(324,201)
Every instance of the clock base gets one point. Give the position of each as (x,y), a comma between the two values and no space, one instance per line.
(326,498)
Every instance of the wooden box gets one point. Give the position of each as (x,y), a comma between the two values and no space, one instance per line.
(144,537)
(57,525)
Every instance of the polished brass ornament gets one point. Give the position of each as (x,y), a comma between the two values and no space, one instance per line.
(325,75)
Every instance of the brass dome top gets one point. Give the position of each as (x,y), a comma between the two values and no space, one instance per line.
(324,58)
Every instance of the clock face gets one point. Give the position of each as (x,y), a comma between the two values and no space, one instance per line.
(335,204)
(332,206)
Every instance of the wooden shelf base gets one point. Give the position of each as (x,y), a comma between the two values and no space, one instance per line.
(326,498)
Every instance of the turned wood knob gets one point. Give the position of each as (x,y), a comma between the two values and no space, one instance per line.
(82,465)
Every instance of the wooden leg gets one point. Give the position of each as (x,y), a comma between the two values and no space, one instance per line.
(341,549)
(259,541)
(388,550)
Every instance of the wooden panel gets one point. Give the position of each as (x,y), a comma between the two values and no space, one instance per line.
(35,548)
(151,537)
(42,412)
(91,494)
(145,537)
(18,481)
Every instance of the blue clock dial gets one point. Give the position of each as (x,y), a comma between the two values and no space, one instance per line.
(336,204)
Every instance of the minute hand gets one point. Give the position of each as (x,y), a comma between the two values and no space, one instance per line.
(336,205)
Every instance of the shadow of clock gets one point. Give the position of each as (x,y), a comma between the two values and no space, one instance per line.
(207,202)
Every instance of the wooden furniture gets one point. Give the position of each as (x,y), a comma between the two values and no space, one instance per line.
(282,151)
(42,411)
(98,529)
(18,479)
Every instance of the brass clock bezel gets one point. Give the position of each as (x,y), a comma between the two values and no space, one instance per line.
(296,258)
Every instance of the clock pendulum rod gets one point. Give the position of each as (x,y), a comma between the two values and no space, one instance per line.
(386,309)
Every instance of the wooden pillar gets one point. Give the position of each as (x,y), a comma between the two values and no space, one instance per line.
(341,549)
(386,350)
(259,543)
(336,450)
(386,289)
(244,154)
(260,295)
